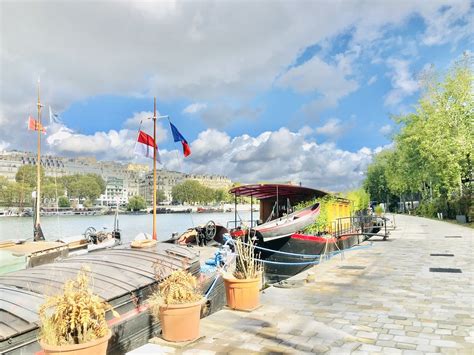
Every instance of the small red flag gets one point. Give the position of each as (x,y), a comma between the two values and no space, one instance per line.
(33,125)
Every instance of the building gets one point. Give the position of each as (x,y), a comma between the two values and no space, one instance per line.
(166,180)
(122,179)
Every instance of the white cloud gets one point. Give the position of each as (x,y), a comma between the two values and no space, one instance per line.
(403,84)
(184,49)
(221,115)
(111,145)
(280,155)
(448,24)
(333,127)
(317,76)
(386,129)
(372,80)
(4,145)
(195,107)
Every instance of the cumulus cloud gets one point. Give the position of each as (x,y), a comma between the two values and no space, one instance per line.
(221,115)
(317,76)
(195,107)
(449,23)
(111,145)
(386,129)
(403,83)
(372,80)
(333,127)
(277,156)
(185,50)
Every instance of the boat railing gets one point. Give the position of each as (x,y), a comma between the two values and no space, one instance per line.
(244,224)
(357,224)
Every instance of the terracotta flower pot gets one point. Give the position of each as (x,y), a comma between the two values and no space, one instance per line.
(242,294)
(94,347)
(180,322)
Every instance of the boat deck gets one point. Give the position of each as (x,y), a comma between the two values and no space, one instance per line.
(30,248)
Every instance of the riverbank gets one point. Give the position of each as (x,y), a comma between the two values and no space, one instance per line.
(383,299)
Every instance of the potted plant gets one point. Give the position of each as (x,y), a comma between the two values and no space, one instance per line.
(73,322)
(177,304)
(242,286)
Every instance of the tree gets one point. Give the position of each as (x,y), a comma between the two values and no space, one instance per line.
(360,199)
(136,203)
(63,201)
(89,186)
(431,152)
(160,195)
(26,174)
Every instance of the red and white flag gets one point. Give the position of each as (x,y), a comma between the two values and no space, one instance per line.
(145,145)
(33,125)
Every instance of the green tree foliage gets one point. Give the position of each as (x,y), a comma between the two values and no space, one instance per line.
(88,186)
(191,191)
(359,198)
(26,174)
(136,203)
(434,147)
(160,195)
(63,201)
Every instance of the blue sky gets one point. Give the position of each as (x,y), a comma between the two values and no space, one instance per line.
(318,81)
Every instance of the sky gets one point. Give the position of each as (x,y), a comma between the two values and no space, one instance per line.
(267,91)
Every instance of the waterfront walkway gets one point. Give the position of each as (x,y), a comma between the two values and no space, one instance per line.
(383,299)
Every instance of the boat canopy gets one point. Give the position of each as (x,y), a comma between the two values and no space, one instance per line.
(265,191)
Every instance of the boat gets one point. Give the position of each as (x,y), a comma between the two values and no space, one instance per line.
(209,210)
(164,210)
(24,253)
(211,234)
(286,225)
(123,276)
(293,250)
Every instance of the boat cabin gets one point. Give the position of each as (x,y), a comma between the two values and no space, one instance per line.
(277,200)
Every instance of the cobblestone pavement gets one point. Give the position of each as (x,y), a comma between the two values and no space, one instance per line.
(390,303)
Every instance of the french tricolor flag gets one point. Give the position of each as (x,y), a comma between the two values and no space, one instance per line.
(145,145)
(178,137)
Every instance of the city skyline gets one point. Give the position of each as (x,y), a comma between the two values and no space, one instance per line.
(288,92)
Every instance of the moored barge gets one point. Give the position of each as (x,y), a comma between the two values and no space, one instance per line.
(123,276)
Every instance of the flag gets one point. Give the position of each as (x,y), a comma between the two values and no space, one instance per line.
(33,125)
(53,117)
(144,146)
(178,137)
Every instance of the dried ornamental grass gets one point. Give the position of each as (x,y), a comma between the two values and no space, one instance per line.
(180,287)
(248,265)
(76,316)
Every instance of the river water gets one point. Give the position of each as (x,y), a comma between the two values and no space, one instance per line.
(130,225)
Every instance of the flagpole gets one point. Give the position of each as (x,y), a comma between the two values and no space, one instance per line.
(154,169)
(38,166)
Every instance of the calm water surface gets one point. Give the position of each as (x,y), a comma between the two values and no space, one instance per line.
(130,225)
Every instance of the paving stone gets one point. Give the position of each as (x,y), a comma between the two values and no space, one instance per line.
(427,348)
(368,335)
(406,346)
(391,351)
(387,343)
(444,343)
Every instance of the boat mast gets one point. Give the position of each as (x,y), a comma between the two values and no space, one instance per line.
(38,168)
(154,169)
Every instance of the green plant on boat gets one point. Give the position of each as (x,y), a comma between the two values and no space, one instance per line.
(75,316)
(322,222)
(378,210)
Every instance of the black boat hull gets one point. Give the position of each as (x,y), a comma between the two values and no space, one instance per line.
(299,244)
